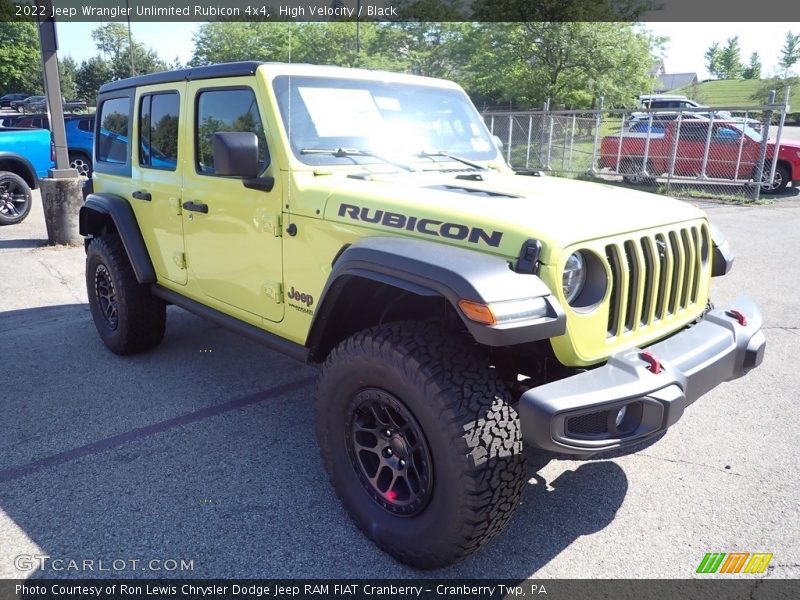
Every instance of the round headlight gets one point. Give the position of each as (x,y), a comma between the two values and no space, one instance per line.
(574,276)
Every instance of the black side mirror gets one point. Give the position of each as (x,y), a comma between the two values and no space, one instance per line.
(236,154)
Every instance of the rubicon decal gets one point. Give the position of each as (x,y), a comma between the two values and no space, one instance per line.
(734,562)
(453,231)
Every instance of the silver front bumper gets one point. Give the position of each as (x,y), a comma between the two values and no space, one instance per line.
(577,415)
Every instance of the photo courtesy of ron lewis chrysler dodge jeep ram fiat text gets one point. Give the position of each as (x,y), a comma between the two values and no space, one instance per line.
(366,222)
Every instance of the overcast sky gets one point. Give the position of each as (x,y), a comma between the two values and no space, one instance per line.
(684,52)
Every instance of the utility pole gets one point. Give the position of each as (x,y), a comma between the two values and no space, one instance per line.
(62,189)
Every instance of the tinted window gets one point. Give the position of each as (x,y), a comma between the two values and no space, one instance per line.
(226,110)
(86,124)
(112,139)
(158,131)
(694,132)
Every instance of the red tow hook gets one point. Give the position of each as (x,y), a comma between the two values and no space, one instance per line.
(738,315)
(653,364)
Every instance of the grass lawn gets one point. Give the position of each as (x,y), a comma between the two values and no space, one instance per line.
(733,92)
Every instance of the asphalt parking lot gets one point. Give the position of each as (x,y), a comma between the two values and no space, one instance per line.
(203,450)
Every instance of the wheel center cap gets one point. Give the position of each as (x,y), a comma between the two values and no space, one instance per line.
(398,446)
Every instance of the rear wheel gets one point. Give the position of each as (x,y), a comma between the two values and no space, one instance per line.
(634,173)
(15,198)
(81,163)
(779,182)
(420,441)
(128,317)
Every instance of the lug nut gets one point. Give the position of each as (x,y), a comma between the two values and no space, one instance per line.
(388,452)
(387,433)
(402,464)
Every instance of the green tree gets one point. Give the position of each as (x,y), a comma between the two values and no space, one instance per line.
(713,57)
(20,59)
(91,75)
(115,47)
(790,53)
(226,41)
(67,76)
(570,63)
(753,69)
(730,61)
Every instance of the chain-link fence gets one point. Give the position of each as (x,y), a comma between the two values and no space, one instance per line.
(704,151)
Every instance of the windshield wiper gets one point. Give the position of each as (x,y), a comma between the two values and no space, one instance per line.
(348,152)
(469,163)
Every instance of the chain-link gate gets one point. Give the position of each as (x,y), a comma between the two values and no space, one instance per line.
(705,151)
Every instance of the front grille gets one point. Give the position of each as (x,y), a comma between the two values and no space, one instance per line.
(654,277)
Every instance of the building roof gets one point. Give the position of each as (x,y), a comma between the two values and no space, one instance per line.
(673,81)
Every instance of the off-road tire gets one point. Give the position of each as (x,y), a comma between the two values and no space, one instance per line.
(466,419)
(137,320)
(16,198)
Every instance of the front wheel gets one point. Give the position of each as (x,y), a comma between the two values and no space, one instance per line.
(128,317)
(15,198)
(420,441)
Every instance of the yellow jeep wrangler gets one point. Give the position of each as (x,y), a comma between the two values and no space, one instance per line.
(366,222)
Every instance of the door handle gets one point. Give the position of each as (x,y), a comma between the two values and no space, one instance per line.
(140,195)
(196,207)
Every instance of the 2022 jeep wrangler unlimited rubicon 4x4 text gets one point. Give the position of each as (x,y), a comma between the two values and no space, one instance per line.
(365,221)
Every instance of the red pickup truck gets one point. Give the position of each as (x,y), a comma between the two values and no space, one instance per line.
(733,152)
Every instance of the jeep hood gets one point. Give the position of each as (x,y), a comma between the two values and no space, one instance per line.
(494,212)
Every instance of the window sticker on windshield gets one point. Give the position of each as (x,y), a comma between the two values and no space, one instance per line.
(479,144)
(339,113)
(387,103)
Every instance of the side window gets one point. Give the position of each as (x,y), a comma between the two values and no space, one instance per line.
(692,132)
(113,137)
(158,131)
(226,110)
(86,125)
(727,134)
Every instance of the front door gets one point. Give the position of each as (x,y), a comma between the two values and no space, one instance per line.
(232,233)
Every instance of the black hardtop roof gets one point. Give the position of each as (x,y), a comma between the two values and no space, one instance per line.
(233,69)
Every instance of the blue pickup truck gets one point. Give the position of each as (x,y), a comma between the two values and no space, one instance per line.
(25,156)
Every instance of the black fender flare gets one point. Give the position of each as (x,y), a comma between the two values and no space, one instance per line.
(722,255)
(26,170)
(94,219)
(432,269)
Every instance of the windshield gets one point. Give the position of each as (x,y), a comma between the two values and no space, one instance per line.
(748,131)
(332,121)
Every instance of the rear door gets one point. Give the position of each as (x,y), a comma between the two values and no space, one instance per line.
(155,166)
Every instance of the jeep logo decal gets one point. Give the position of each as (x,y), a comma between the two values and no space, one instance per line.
(306,299)
(453,231)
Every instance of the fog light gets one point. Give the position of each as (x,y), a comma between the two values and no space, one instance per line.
(620,416)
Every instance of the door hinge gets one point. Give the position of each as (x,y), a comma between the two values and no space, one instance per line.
(274,290)
(179,258)
(271,224)
(175,205)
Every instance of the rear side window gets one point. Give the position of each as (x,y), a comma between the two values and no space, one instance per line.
(158,131)
(113,137)
(226,110)
(86,125)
